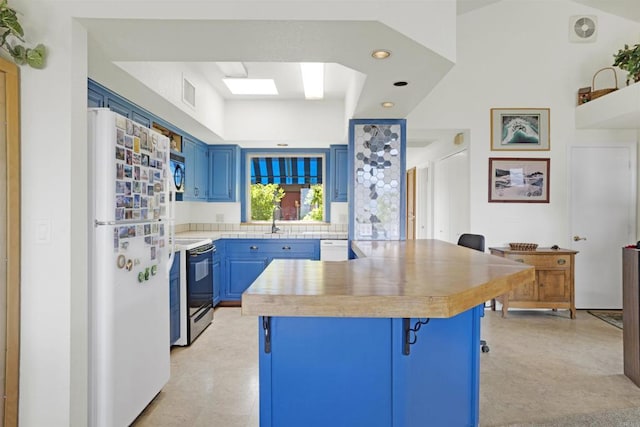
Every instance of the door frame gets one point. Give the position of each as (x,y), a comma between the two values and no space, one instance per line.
(12,364)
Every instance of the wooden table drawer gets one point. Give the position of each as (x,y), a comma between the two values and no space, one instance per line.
(548,261)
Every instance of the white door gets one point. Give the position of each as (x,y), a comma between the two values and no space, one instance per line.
(451,197)
(603,210)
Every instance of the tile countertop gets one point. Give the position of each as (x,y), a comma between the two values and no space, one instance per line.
(239,234)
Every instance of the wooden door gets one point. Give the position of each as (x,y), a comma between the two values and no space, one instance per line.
(9,241)
(411,204)
(603,212)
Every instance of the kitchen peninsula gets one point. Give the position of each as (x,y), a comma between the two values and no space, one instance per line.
(389,339)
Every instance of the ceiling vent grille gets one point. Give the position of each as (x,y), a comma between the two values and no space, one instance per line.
(583,28)
(188,92)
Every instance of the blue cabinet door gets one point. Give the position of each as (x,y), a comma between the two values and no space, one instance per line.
(241,272)
(339,173)
(95,98)
(141,118)
(202,172)
(189,151)
(223,170)
(217,276)
(327,372)
(196,169)
(174,299)
(120,107)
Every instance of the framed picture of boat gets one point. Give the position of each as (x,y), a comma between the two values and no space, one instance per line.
(518,180)
(520,129)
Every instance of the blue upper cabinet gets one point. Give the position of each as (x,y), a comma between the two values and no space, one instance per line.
(212,172)
(99,96)
(115,104)
(202,172)
(196,184)
(140,117)
(95,98)
(189,151)
(339,174)
(223,170)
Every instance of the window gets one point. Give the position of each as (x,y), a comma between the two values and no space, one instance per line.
(289,185)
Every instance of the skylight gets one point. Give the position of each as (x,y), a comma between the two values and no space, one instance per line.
(313,79)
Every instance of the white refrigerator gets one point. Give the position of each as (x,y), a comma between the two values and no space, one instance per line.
(131,221)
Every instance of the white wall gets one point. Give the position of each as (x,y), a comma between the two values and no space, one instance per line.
(204,212)
(504,61)
(258,123)
(165,78)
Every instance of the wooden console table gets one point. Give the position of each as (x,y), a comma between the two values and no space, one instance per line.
(554,284)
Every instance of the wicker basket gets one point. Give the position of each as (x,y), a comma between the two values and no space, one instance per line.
(523,246)
(600,92)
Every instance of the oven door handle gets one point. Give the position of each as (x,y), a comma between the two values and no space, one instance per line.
(212,249)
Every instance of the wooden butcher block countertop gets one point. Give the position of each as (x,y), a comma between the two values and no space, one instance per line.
(415,278)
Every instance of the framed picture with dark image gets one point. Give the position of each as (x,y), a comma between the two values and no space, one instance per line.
(519,180)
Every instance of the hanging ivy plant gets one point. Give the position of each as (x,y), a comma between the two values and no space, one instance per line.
(12,39)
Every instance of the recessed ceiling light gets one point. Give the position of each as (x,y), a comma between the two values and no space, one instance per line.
(401,83)
(251,86)
(381,54)
(387,104)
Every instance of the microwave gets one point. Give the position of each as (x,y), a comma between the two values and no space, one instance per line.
(177,171)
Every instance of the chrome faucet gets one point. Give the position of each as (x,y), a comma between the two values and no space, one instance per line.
(276,208)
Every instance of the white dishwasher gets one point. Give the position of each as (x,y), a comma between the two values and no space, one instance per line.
(334,250)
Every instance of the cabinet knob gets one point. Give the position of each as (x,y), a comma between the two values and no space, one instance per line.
(253,248)
(286,248)
(562,261)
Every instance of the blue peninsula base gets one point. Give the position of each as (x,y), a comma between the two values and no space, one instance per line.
(329,371)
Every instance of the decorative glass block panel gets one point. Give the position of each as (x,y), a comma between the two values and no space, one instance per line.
(378,203)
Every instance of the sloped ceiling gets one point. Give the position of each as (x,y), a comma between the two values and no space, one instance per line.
(629,9)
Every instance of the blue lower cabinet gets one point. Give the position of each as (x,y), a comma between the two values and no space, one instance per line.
(174,299)
(241,273)
(245,259)
(217,274)
(356,371)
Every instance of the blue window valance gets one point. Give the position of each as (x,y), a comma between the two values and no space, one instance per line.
(286,170)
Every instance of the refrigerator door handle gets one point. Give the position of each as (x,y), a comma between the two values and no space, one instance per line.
(172,228)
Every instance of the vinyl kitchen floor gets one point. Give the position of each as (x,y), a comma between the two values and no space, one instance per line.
(542,366)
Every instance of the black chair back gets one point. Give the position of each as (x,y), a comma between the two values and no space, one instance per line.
(473,241)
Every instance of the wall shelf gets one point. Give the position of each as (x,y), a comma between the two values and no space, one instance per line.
(616,110)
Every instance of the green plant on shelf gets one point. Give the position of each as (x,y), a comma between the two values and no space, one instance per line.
(628,59)
(12,39)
